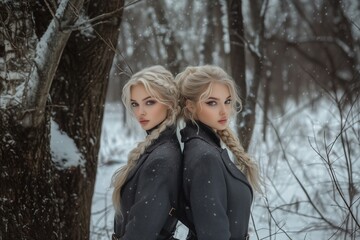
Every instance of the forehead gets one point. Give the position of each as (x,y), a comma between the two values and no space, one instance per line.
(219,90)
(138,91)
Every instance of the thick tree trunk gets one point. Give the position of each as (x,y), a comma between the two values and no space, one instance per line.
(40,197)
(84,71)
(28,202)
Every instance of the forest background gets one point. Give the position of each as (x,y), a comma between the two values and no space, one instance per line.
(63,64)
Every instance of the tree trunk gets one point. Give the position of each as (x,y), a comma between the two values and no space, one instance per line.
(248,114)
(237,54)
(244,121)
(168,37)
(41,197)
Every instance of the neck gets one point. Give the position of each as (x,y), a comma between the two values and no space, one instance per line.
(150,130)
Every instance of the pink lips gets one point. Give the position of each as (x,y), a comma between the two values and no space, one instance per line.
(222,121)
(143,121)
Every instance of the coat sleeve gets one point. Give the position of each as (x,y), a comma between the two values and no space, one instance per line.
(208,197)
(153,199)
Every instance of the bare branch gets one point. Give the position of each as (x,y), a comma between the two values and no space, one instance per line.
(100,18)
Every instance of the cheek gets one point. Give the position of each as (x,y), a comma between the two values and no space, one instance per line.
(161,111)
(229,110)
(206,113)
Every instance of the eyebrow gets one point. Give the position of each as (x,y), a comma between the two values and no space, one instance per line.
(214,98)
(142,100)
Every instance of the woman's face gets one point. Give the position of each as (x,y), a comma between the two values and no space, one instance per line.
(148,111)
(215,110)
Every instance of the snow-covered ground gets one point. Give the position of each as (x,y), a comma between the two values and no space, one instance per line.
(299,201)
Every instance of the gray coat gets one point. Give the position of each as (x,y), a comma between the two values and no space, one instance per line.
(151,191)
(217,194)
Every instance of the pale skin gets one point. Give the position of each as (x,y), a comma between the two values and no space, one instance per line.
(148,111)
(215,110)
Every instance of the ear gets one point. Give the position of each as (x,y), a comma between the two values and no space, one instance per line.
(190,105)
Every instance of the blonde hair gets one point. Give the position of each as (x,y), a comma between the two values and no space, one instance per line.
(159,83)
(195,84)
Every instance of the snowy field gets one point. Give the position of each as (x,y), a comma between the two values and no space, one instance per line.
(300,201)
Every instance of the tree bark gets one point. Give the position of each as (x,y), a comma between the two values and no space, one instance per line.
(246,120)
(248,114)
(168,37)
(237,54)
(39,199)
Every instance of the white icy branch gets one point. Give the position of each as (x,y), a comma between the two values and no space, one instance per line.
(48,54)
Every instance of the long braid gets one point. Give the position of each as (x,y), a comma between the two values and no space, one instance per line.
(133,157)
(195,84)
(164,80)
(243,160)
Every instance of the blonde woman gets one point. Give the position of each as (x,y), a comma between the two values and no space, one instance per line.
(146,188)
(218,192)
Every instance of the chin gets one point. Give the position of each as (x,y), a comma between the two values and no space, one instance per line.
(221,128)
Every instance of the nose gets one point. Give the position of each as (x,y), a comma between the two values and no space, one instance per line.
(222,110)
(141,111)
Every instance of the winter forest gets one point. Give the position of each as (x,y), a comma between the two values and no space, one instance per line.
(64,132)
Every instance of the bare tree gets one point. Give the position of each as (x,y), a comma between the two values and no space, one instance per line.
(338,195)
(54,72)
(212,49)
(167,36)
(238,44)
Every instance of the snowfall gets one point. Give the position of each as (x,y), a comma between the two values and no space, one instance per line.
(292,163)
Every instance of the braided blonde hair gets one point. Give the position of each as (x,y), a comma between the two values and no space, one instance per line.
(159,83)
(195,84)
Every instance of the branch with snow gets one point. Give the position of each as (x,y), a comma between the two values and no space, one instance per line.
(47,57)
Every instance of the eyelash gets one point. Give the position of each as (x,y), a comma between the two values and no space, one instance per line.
(214,103)
(148,103)
(211,103)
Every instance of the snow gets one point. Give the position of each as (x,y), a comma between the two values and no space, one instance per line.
(86,28)
(64,152)
(43,52)
(292,171)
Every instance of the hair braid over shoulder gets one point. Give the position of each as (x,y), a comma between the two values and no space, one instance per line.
(159,82)
(243,160)
(195,84)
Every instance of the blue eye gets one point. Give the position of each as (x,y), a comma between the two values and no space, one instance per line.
(228,101)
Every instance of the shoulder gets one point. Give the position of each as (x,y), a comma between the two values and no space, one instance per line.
(166,155)
(200,153)
(198,145)
(167,149)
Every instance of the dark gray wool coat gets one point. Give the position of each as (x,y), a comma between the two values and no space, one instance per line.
(151,191)
(217,194)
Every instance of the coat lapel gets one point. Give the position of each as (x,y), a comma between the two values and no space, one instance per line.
(207,134)
(234,171)
(136,168)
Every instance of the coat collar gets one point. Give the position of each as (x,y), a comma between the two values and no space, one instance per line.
(164,137)
(202,131)
(207,134)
